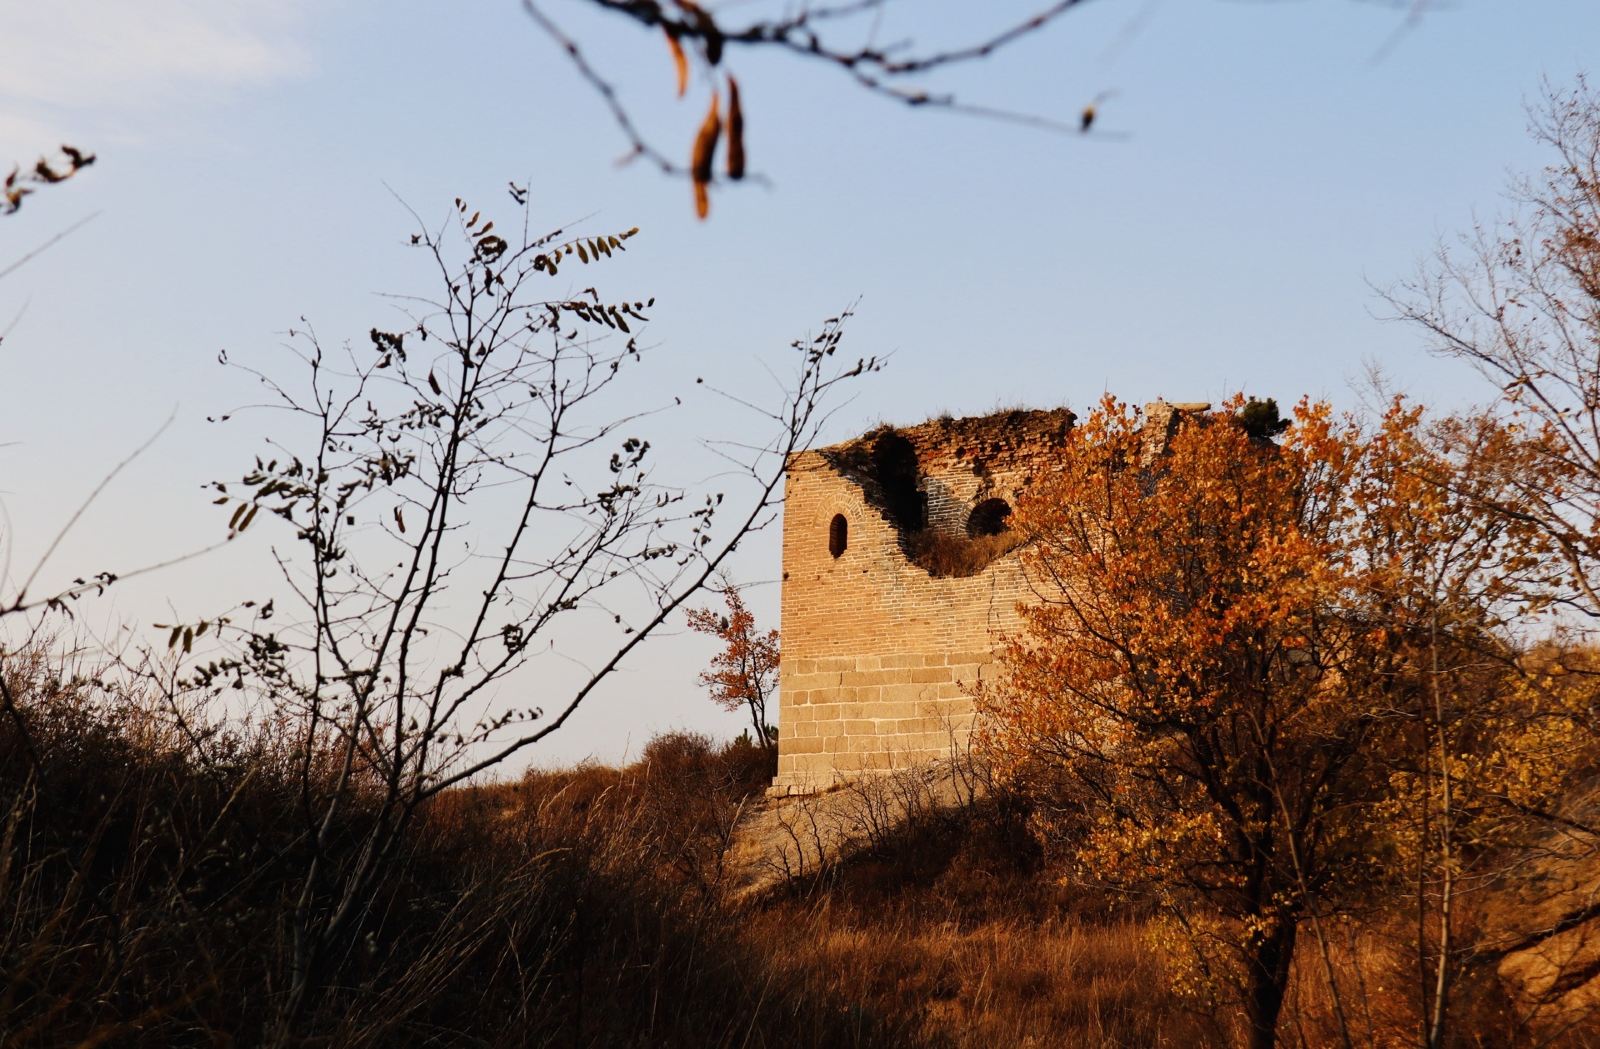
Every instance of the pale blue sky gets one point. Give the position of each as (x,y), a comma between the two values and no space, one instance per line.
(1264,171)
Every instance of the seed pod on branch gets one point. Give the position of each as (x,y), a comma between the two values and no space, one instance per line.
(705,151)
(735,132)
(706,28)
(680,61)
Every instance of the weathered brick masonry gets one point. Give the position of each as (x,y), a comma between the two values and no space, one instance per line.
(878,652)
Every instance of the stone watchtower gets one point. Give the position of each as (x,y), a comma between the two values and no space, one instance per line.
(898,574)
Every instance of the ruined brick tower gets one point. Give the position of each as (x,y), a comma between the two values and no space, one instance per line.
(898,574)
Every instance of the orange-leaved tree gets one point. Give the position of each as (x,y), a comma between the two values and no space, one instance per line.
(1214,680)
(744,674)
(1444,556)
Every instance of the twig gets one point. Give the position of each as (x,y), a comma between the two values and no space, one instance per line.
(46,246)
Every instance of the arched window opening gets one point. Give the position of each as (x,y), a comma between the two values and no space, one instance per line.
(838,535)
(990,517)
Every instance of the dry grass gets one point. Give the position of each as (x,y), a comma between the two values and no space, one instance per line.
(942,554)
(145,900)
(949,922)
(148,901)
(1007,983)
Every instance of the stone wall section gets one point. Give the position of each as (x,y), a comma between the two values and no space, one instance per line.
(878,655)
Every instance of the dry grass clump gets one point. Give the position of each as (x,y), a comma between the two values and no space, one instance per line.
(943,554)
(136,882)
(954,926)
(148,897)
(1006,983)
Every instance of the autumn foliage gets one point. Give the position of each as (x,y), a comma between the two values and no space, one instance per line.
(744,674)
(1249,659)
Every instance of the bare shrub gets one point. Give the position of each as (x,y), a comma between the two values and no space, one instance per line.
(874,809)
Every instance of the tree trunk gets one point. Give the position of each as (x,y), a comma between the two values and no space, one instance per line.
(1269,979)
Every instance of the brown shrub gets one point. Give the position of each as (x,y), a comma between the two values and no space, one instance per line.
(943,554)
(148,895)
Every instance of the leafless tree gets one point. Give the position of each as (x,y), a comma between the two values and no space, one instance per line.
(1520,302)
(455,497)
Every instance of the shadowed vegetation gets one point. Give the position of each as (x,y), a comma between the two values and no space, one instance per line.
(149,897)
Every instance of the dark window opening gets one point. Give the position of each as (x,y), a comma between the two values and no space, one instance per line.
(894,463)
(990,517)
(838,535)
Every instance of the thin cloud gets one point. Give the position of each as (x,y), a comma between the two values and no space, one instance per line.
(109,68)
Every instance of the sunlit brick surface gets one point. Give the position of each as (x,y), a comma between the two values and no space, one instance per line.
(878,655)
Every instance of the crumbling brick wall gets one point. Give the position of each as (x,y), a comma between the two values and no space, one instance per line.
(879,653)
